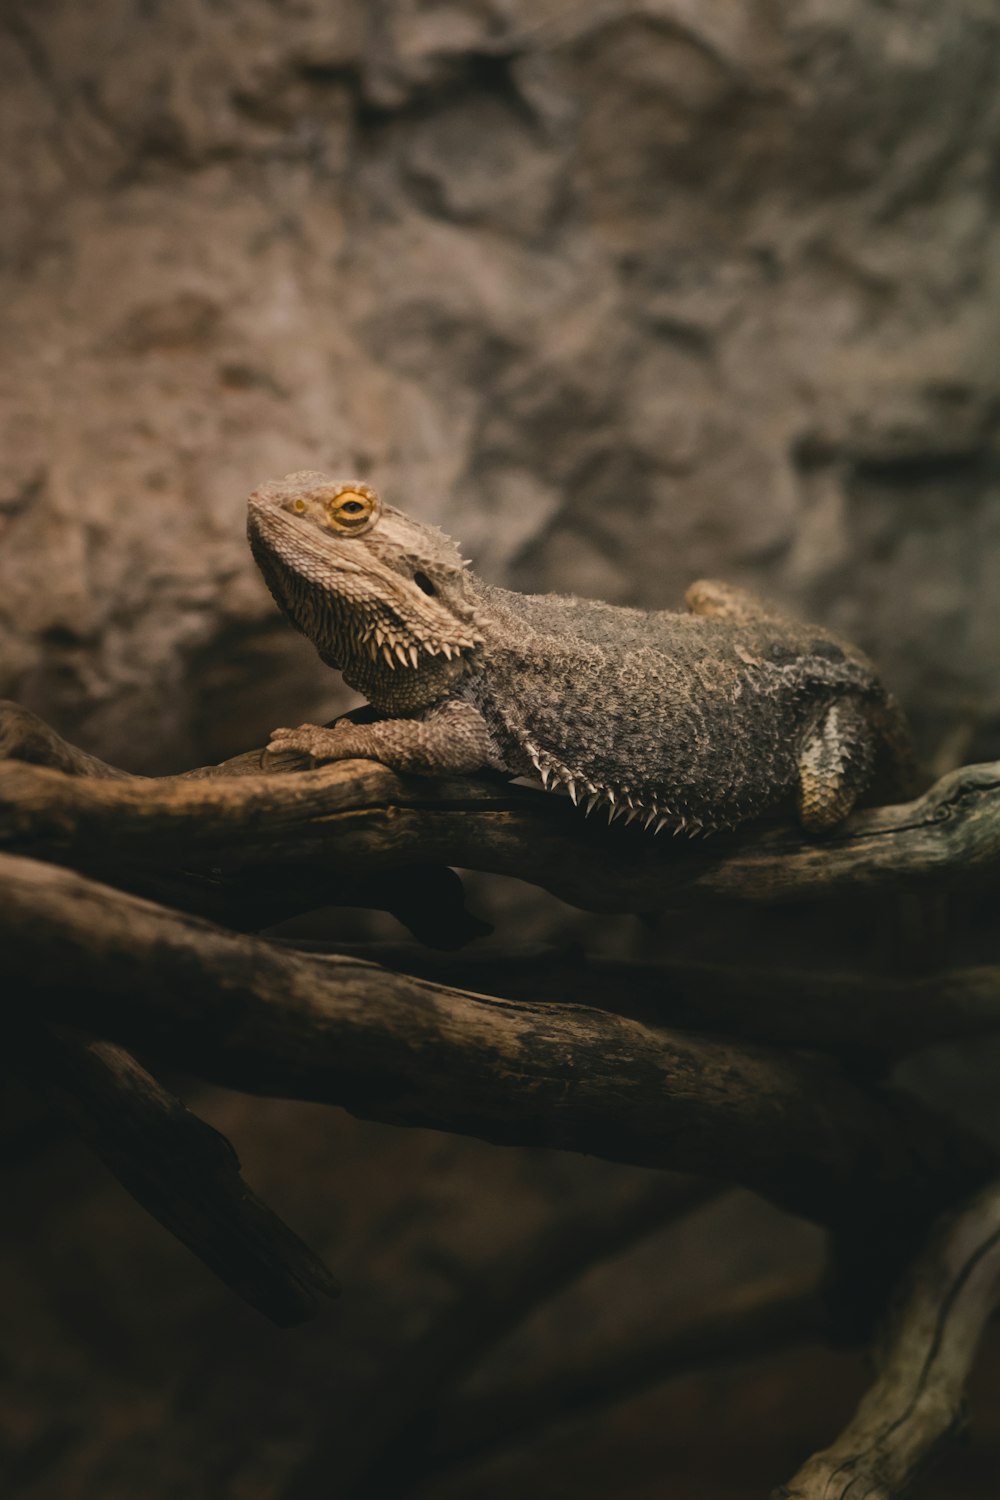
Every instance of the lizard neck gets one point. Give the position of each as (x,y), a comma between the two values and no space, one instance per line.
(403,689)
(395,681)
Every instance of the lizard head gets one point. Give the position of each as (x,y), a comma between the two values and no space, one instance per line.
(359,578)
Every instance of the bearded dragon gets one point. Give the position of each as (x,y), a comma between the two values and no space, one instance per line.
(695,721)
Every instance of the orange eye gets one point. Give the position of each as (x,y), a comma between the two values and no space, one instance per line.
(299,505)
(351,507)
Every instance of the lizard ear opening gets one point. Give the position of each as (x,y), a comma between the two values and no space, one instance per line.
(424,584)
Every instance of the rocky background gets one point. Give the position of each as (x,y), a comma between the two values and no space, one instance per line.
(622,294)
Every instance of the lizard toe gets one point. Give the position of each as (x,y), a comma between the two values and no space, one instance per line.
(310,740)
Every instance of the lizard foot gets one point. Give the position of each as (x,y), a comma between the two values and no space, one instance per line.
(312,741)
(723,601)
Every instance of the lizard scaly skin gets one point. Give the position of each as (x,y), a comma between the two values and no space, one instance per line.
(692,721)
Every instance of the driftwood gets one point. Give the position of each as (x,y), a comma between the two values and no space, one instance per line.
(923,1365)
(185,1173)
(241,1011)
(107,886)
(357,819)
(865,1017)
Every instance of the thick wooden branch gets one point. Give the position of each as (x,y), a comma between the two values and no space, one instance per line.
(26,737)
(428,899)
(869,1017)
(929,1347)
(356,819)
(606,1077)
(181,1170)
(389,1047)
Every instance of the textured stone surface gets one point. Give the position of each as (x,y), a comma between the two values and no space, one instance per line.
(621,293)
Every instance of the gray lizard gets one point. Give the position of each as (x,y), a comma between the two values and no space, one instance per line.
(695,722)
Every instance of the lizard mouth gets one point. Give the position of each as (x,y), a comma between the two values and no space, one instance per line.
(393,641)
(333,590)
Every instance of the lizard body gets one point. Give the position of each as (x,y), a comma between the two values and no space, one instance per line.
(697,722)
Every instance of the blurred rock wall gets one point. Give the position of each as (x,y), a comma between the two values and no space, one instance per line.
(620,293)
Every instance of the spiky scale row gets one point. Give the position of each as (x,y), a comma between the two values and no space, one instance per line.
(620,802)
(390,648)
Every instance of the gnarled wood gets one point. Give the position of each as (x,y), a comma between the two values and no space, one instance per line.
(871,1017)
(593,1067)
(357,818)
(246,1012)
(185,1173)
(26,737)
(924,1363)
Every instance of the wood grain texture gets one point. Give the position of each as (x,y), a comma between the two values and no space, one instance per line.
(865,1017)
(358,817)
(686,1066)
(924,1362)
(389,1047)
(184,1172)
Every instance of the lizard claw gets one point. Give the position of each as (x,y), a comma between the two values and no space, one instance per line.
(308,740)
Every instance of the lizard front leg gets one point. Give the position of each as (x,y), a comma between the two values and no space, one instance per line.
(449,740)
(835,765)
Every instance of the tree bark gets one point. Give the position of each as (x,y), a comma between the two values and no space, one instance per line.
(928,1350)
(871,1018)
(577,1058)
(248,1013)
(355,819)
(185,1173)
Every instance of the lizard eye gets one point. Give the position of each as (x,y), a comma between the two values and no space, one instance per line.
(352,507)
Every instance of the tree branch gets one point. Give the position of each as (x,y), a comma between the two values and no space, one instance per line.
(865,1016)
(181,1170)
(930,1344)
(356,819)
(26,737)
(245,1012)
(606,1078)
